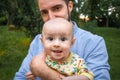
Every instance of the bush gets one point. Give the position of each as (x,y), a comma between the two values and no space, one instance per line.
(89,25)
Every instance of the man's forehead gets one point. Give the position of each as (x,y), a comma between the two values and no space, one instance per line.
(46,3)
(50,7)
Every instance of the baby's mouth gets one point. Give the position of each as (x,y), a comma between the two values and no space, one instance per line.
(57,51)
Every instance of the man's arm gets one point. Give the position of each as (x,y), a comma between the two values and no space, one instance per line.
(98,58)
(80,77)
(40,69)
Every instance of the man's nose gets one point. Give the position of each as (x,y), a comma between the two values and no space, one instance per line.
(51,15)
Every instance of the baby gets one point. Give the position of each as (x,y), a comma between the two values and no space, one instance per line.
(57,38)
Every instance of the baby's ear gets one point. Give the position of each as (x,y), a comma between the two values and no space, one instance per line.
(73,41)
(41,39)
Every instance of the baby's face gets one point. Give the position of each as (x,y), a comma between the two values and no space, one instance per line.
(57,41)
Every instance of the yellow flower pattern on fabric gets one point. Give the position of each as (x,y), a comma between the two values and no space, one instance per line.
(74,65)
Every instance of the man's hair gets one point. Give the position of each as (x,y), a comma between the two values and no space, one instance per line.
(69,15)
(66,1)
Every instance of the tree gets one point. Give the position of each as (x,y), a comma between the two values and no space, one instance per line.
(31,19)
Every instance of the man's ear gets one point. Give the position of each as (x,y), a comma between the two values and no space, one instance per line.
(73,41)
(70,6)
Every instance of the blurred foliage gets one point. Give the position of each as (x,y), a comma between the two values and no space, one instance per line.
(21,13)
(89,26)
(25,13)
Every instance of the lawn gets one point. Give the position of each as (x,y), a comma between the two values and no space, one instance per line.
(112,38)
(14,46)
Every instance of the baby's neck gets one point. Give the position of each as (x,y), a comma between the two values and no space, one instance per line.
(62,60)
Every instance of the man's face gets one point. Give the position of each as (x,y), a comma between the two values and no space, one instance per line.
(51,9)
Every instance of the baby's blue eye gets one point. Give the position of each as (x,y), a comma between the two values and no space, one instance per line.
(50,38)
(63,39)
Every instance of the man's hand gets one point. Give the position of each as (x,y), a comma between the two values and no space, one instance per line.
(30,76)
(38,64)
(80,77)
(40,69)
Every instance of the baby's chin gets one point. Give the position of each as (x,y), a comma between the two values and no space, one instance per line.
(58,58)
(56,55)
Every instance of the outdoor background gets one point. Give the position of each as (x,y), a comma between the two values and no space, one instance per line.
(20,21)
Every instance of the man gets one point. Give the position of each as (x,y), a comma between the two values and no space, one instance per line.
(90,47)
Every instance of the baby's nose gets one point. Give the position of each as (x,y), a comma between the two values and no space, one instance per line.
(56,44)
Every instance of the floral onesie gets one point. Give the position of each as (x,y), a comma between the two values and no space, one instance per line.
(74,65)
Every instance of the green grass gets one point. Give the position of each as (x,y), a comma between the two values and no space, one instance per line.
(14,46)
(112,38)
